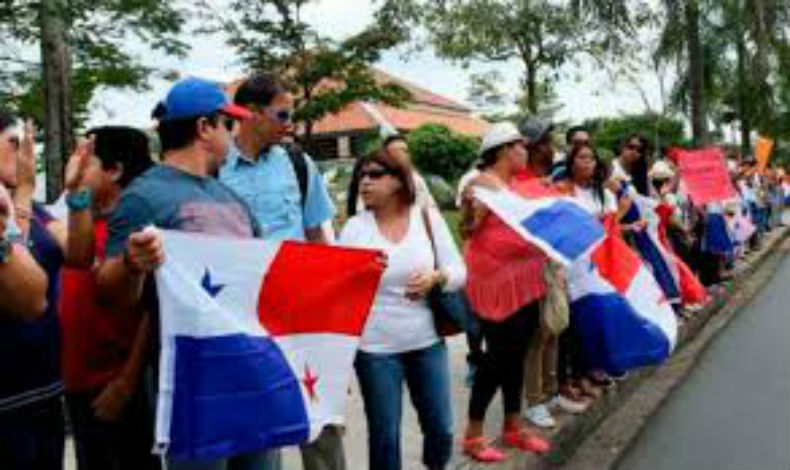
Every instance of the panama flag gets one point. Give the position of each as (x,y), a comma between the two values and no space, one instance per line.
(258,341)
(557,225)
(621,314)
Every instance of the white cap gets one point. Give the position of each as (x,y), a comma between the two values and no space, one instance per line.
(662,170)
(500,133)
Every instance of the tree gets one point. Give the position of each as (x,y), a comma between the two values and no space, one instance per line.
(325,75)
(437,150)
(80,50)
(540,35)
(661,131)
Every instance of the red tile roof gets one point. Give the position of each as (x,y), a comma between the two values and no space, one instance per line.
(426,107)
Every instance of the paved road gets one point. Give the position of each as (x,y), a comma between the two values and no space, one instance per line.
(733,412)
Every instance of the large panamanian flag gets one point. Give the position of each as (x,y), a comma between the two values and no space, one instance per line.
(623,318)
(258,341)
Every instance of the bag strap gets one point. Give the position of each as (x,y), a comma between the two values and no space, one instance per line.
(299,162)
(426,220)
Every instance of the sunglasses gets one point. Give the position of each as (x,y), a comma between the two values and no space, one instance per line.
(228,122)
(637,148)
(580,143)
(283,116)
(373,174)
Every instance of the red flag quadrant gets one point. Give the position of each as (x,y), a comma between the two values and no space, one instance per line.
(312,276)
(705,174)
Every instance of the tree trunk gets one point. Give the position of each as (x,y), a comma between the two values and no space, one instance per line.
(699,115)
(744,112)
(56,78)
(532,88)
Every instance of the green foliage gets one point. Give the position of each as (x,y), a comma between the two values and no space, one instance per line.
(436,150)
(542,35)
(324,74)
(661,131)
(98,32)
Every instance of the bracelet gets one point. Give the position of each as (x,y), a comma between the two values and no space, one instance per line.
(79,201)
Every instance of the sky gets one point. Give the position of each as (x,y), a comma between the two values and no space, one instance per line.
(584,91)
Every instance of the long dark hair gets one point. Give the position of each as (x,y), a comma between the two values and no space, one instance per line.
(599,175)
(400,170)
(639,169)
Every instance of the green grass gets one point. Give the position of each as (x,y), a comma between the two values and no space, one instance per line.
(453,219)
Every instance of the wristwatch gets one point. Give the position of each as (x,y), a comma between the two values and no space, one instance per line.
(79,201)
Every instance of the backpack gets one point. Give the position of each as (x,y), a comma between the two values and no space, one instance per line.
(299,161)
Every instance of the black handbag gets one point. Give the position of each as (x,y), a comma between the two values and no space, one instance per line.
(451,312)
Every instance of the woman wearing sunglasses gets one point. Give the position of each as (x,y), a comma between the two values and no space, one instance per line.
(400,343)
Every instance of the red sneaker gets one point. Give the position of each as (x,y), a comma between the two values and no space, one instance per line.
(523,440)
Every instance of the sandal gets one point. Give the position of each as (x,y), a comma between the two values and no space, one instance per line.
(480,449)
(523,440)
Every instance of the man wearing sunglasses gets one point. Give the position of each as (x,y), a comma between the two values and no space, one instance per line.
(288,197)
(289,206)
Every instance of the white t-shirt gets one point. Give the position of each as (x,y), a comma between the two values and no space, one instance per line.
(397,324)
(590,201)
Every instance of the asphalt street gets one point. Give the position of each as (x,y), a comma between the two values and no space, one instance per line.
(733,411)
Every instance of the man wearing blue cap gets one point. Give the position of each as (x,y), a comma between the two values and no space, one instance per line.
(195,122)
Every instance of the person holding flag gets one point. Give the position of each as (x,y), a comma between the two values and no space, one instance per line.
(194,125)
(504,287)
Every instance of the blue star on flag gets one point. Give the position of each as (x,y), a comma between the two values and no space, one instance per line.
(212,289)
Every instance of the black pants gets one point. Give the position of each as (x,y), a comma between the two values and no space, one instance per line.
(125,444)
(570,355)
(502,364)
(31,438)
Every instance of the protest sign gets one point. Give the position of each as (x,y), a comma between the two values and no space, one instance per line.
(704,172)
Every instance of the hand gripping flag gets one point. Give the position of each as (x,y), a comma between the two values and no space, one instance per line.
(557,225)
(258,341)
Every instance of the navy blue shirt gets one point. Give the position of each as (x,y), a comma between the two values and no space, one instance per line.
(30,350)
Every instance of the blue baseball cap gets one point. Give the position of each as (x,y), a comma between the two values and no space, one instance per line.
(194,97)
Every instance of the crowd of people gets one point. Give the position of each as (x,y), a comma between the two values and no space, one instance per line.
(78,307)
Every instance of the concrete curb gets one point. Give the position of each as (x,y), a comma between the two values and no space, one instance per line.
(597,438)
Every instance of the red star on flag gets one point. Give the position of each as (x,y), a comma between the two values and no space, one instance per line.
(309,380)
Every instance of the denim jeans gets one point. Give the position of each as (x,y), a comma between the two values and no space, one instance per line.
(33,437)
(381,378)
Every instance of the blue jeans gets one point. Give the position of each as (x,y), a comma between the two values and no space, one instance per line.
(381,378)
